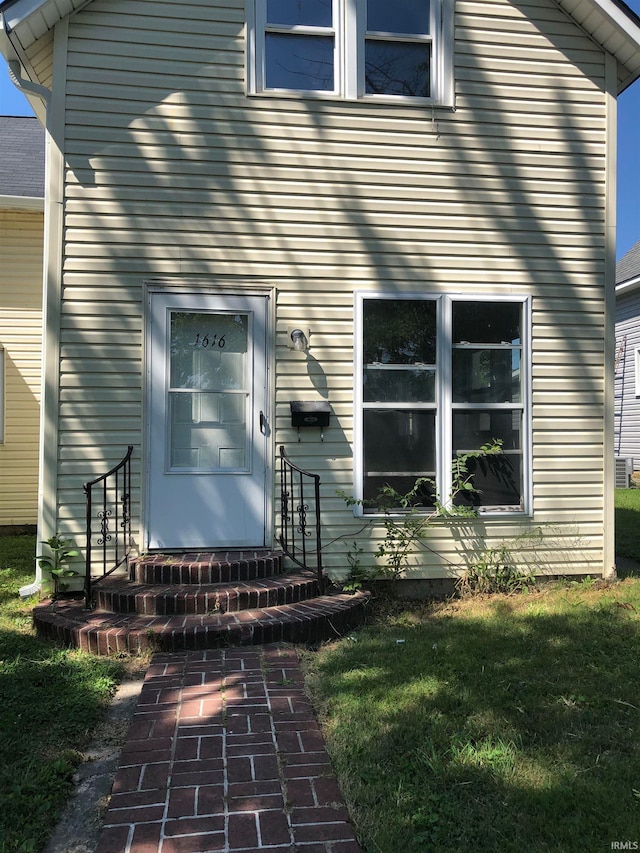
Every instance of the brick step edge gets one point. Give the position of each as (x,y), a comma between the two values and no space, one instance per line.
(309,622)
(199,569)
(123,596)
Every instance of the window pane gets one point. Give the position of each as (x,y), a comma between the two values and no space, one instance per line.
(401,331)
(299,62)
(397,68)
(499,478)
(486,376)
(401,385)
(425,495)
(498,481)
(310,13)
(399,447)
(487,322)
(473,429)
(399,16)
(399,442)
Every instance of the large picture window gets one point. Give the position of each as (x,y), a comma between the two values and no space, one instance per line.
(353,48)
(437,378)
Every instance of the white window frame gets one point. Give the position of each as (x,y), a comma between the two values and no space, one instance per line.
(349,53)
(637,371)
(444,402)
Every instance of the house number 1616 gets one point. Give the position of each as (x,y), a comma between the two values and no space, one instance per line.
(205,341)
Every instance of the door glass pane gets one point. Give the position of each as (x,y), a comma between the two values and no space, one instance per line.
(397,68)
(208,430)
(486,375)
(487,322)
(399,16)
(310,13)
(208,351)
(300,62)
(399,447)
(209,391)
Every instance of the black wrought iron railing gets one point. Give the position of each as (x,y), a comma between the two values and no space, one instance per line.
(108,501)
(300,531)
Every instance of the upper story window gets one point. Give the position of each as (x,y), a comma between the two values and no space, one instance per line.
(397,48)
(373,49)
(299,50)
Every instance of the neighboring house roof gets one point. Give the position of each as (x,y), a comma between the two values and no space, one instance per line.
(22,159)
(610,23)
(628,270)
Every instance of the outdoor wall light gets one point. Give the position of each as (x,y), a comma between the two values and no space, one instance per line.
(298,340)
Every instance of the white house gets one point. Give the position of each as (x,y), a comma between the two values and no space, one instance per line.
(425,190)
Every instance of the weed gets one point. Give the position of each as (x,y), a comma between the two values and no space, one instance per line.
(359,575)
(494,572)
(587,582)
(57,561)
(406,521)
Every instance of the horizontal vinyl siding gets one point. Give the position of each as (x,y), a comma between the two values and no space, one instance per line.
(627,405)
(21,241)
(173,172)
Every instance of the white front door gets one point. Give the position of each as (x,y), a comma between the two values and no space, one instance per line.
(206,411)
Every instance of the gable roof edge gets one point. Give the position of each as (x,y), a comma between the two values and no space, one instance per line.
(610,23)
(615,27)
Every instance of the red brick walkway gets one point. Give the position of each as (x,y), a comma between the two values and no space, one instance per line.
(224,753)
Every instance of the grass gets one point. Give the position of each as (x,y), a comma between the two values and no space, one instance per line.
(501,723)
(505,723)
(628,523)
(52,699)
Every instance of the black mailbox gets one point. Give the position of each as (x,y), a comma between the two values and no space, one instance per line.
(313,414)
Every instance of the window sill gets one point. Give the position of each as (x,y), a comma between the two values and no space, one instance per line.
(368,100)
(482,512)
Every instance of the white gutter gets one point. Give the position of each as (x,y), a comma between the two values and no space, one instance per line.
(17,12)
(629,285)
(619,18)
(38,96)
(21,202)
(26,86)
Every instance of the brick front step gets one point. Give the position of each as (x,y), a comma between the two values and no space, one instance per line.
(206,568)
(123,596)
(322,618)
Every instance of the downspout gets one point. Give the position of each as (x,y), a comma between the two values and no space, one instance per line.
(50,293)
(611,101)
(27,86)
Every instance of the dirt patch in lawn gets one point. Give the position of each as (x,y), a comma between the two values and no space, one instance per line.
(79,827)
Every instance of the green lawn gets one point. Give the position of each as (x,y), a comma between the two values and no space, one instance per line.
(52,699)
(503,723)
(497,724)
(628,523)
